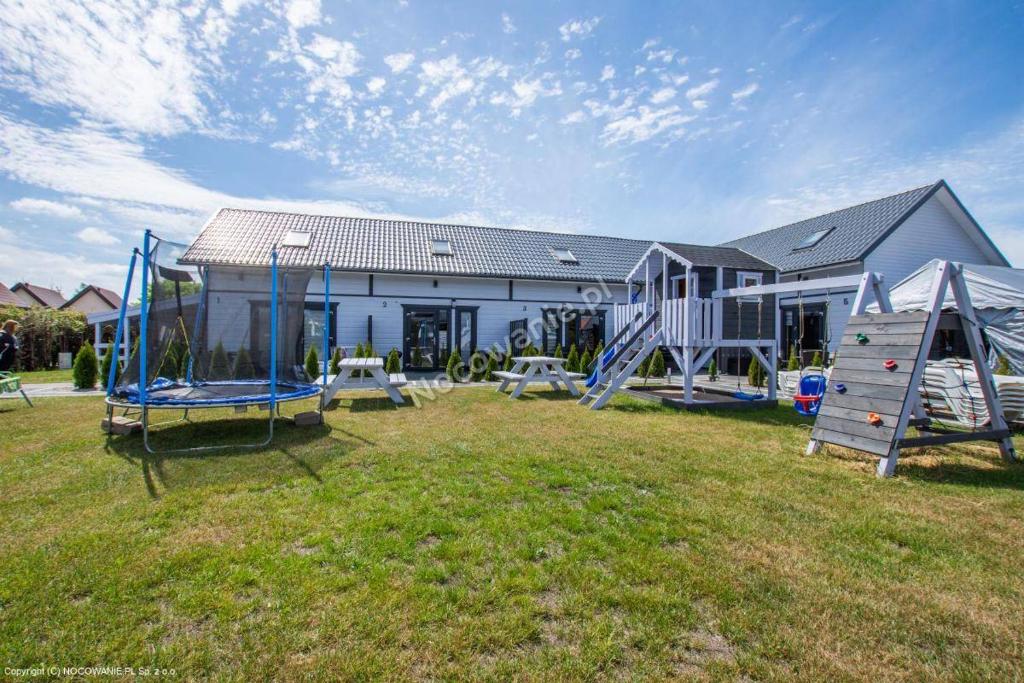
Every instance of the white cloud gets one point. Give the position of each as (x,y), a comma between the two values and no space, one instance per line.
(573,53)
(57,269)
(375,85)
(400,61)
(745,92)
(575,117)
(650,42)
(96,236)
(302,13)
(607,73)
(525,93)
(128,64)
(663,95)
(506,23)
(665,55)
(448,77)
(6,235)
(338,61)
(699,105)
(644,124)
(578,28)
(45,206)
(699,91)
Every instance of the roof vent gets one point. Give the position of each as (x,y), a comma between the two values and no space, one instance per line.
(564,256)
(297,238)
(440,247)
(813,238)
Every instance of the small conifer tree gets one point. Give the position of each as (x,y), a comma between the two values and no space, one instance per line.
(219,368)
(477,366)
(794,360)
(454,369)
(507,363)
(558,351)
(572,361)
(755,374)
(656,368)
(816,359)
(492,366)
(169,364)
(585,361)
(108,360)
(86,367)
(312,364)
(243,365)
(712,371)
(335,366)
(393,365)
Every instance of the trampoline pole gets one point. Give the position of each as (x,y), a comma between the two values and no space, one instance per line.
(273,337)
(143,323)
(327,331)
(119,337)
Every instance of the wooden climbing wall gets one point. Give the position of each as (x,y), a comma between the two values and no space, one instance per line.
(870,387)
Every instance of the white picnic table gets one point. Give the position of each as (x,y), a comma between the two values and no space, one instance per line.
(349,376)
(529,369)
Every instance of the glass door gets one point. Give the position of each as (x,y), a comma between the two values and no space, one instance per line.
(426,338)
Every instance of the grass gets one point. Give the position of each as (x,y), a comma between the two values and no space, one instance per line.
(45,376)
(479,537)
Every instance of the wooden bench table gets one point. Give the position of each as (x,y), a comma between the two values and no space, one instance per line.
(349,376)
(531,369)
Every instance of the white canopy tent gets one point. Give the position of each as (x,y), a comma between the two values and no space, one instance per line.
(997,293)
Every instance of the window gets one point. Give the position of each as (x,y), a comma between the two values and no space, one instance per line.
(297,238)
(564,256)
(813,239)
(441,247)
(746,279)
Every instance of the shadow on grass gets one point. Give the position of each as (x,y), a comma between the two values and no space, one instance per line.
(550,395)
(302,450)
(946,468)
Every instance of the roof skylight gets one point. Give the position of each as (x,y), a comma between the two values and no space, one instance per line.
(564,256)
(813,238)
(441,247)
(297,238)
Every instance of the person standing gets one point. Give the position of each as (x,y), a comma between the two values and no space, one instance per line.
(8,345)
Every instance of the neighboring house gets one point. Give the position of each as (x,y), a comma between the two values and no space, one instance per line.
(34,295)
(93,299)
(893,236)
(423,288)
(9,298)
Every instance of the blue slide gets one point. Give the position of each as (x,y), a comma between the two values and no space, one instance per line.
(607,356)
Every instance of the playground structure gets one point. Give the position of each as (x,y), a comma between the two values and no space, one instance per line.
(872,397)
(237,346)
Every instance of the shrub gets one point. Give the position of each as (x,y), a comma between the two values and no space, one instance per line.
(219,368)
(454,369)
(585,361)
(816,359)
(713,370)
(335,365)
(599,351)
(656,368)
(43,333)
(169,363)
(477,366)
(368,352)
(507,364)
(86,368)
(641,369)
(108,361)
(794,360)
(558,351)
(184,358)
(312,365)
(492,366)
(572,361)
(393,364)
(755,373)
(1003,366)
(243,365)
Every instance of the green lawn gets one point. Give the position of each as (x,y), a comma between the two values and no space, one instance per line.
(478,537)
(45,376)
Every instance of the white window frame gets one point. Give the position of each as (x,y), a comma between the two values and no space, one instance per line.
(434,251)
(694,284)
(741,276)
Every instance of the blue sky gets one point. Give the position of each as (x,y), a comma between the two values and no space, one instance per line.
(682,121)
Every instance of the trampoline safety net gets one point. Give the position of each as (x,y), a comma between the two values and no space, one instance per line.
(208,336)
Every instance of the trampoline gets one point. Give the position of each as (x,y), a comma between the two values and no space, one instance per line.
(214,340)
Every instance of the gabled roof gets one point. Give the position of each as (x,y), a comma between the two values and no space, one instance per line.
(246,238)
(109,297)
(7,297)
(727,257)
(44,296)
(852,232)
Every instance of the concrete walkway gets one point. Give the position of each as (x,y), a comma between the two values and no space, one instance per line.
(53,389)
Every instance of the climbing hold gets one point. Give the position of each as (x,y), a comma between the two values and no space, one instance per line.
(841,388)
(874,419)
(889,365)
(861,338)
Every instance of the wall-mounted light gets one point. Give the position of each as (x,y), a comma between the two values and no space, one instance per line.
(435,284)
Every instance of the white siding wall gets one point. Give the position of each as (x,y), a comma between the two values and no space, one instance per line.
(931,232)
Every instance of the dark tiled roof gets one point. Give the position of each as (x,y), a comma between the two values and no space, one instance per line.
(43,295)
(244,237)
(8,298)
(855,231)
(112,299)
(727,257)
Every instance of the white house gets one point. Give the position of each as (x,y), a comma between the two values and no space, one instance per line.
(894,236)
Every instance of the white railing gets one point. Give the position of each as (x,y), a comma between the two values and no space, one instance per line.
(683,325)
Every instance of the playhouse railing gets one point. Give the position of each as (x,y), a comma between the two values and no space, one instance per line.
(686,322)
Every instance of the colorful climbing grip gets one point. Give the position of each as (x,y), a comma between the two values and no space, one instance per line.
(889,365)
(841,388)
(874,419)
(862,338)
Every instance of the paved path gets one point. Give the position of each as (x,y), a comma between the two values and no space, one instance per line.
(53,389)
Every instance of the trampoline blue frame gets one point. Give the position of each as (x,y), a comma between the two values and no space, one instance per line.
(145,400)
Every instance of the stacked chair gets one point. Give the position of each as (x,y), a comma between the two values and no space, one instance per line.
(951,387)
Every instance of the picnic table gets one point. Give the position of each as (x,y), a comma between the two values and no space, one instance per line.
(530,369)
(350,376)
